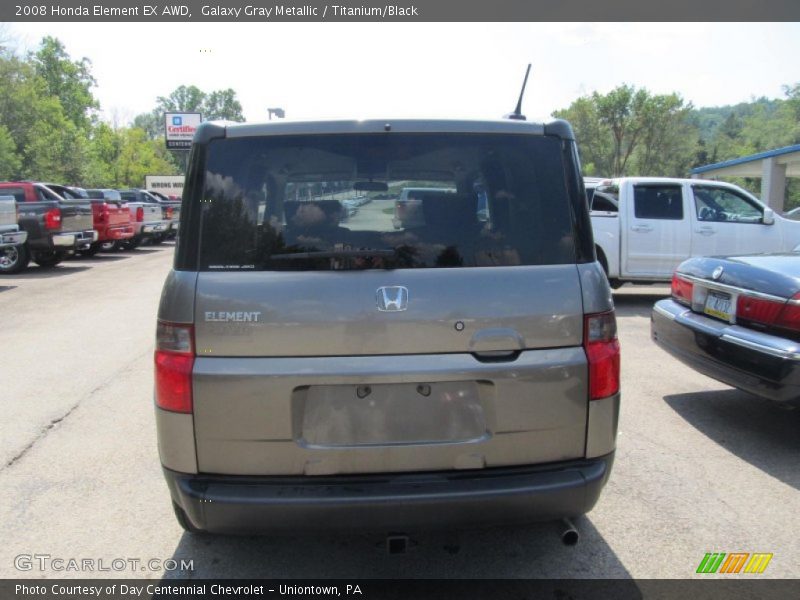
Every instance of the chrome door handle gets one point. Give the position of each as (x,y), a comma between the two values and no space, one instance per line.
(706,231)
(642,228)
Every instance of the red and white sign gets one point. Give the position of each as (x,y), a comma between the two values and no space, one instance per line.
(180,128)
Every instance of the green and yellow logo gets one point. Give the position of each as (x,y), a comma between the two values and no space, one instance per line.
(734,563)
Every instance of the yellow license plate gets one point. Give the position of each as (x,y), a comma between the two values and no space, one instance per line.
(720,306)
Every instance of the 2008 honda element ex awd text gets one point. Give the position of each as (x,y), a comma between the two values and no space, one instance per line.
(320,364)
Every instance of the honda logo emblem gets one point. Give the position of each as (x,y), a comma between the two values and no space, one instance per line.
(392,298)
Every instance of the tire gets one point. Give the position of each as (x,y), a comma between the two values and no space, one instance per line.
(130,244)
(91,250)
(184,521)
(14,259)
(48,260)
(111,246)
(156,240)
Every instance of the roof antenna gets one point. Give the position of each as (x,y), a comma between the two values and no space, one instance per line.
(517,114)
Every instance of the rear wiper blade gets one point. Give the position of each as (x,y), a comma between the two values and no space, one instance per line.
(335,254)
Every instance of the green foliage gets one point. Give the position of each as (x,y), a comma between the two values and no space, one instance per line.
(69,81)
(10,161)
(632,132)
(47,145)
(222,104)
(122,157)
(48,129)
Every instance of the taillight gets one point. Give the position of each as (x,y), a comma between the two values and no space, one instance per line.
(768,314)
(52,219)
(602,350)
(169,212)
(758,310)
(682,289)
(139,213)
(103,211)
(174,359)
(789,318)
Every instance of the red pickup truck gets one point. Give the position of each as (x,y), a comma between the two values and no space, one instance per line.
(112,219)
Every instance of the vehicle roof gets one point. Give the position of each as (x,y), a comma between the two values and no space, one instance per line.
(237,130)
(640,179)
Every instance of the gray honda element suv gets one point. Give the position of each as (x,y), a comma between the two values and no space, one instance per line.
(317,367)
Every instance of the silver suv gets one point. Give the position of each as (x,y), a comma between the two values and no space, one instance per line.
(461,370)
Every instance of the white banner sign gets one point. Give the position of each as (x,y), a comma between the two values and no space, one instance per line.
(169,185)
(180,128)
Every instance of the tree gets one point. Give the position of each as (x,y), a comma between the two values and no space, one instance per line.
(122,157)
(218,104)
(69,81)
(222,104)
(10,161)
(621,112)
(183,99)
(151,123)
(48,145)
(667,139)
(631,132)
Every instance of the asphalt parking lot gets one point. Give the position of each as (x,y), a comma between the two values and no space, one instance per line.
(699,467)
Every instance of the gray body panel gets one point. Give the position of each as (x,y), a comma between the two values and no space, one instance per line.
(234,130)
(335,313)
(250,413)
(177,297)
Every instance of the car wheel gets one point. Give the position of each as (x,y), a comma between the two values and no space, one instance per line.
(109,246)
(131,244)
(47,260)
(183,520)
(91,250)
(13,259)
(156,240)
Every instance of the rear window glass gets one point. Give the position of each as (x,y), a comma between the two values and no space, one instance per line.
(384,201)
(17,192)
(658,202)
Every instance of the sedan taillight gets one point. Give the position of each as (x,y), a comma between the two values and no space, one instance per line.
(682,289)
(768,314)
(758,310)
(790,315)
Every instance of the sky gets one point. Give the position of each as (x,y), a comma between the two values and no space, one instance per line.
(444,70)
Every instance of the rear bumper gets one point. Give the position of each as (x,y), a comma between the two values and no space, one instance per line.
(462,499)
(152,228)
(14,238)
(63,240)
(762,364)
(116,233)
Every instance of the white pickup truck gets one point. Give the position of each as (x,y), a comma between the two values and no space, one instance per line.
(11,238)
(644,227)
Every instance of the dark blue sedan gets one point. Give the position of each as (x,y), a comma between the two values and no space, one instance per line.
(737,320)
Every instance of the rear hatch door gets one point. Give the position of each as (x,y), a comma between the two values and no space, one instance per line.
(327,346)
